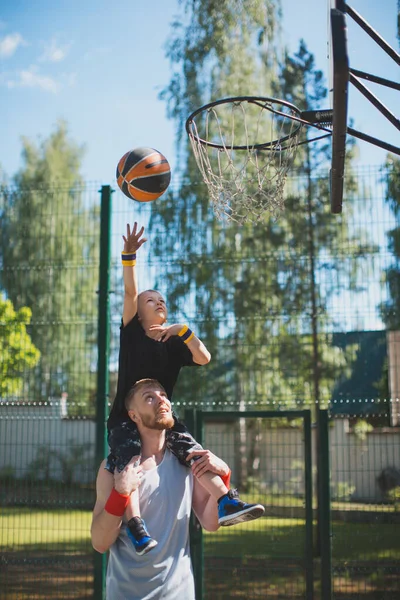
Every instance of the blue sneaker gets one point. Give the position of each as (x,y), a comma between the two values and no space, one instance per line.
(138,534)
(231,510)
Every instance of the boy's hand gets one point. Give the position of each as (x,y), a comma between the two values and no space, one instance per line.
(164,333)
(207,461)
(133,239)
(129,479)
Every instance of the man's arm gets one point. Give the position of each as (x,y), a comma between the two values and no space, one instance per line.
(207,461)
(106,526)
(132,243)
(204,507)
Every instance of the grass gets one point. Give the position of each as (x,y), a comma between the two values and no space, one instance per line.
(53,530)
(264,558)
(289,501)
(35,529)
(280,538)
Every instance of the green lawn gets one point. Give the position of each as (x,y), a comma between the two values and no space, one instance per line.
(279,538)
(264,558)
(53,530)
(34,529)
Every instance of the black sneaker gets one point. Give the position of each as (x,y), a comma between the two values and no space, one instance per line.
(139,536)
(231,510)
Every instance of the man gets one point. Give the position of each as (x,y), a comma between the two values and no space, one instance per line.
(168,491)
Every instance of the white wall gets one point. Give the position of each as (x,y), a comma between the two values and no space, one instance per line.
(24,429)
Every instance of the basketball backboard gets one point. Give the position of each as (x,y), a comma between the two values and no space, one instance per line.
(341,75)
(246,177)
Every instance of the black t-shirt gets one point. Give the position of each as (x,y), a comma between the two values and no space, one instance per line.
(142,357)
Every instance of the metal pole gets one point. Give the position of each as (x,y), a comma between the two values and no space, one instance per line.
(194,423)
(325,510)
(314,323)
(309,507)
(103,345)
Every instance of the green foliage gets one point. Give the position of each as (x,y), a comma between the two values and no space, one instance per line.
(394,497)
(361,428)
(18,354)
(342,490)
(68,460)
(39,469)
(49,249)
(7,475)
(259,295)
(390,310)
(220,49)
(76,456)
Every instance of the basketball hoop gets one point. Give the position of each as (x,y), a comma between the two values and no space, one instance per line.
(244,147)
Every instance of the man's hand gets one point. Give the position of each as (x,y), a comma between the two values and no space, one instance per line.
(207,462)
(133,239)
(129,479)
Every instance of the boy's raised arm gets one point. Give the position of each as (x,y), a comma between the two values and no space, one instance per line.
(132,242)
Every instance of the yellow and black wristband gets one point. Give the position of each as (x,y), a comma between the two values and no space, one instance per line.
(128,259)
(186,334)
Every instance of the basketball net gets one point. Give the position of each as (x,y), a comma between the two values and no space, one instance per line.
(244,148)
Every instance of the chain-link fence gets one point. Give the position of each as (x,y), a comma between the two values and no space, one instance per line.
(300,314)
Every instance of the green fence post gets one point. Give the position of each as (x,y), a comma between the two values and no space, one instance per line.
(103,346)
(308,507)
(194,423)
(325,512)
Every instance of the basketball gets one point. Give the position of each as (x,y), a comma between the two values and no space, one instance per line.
(143,174)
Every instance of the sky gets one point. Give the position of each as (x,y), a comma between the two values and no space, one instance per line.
(101,66)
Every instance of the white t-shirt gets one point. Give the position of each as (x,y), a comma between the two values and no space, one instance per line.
(164,573)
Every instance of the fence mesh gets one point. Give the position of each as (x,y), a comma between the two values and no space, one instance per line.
(299,314)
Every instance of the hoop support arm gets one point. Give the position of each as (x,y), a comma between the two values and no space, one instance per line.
(373,140)
(375,101)
(372,33)
(375,79)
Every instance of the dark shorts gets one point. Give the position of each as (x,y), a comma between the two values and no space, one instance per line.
(124,442)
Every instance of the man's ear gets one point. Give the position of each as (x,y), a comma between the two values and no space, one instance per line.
(132,415)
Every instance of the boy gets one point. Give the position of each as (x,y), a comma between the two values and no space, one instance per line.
(150,349)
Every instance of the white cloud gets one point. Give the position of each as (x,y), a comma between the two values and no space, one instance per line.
(55,52)
(10,43)
(31,78)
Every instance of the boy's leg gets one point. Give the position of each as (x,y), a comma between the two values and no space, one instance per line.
(231,510)
(124,442)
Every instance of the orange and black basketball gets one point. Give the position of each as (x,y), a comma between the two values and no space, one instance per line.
(143,174)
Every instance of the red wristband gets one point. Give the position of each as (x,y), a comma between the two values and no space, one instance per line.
(116,503)
(227,479)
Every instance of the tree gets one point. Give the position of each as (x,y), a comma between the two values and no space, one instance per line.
(224,49)
(18,355)
(263,325)
(49,250)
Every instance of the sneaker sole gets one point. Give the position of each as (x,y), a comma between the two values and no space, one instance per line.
(247,514)
(147,548)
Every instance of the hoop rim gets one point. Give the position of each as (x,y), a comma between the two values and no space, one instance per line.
(251,100)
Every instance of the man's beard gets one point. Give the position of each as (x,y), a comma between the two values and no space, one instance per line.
(160,422)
